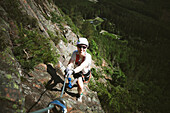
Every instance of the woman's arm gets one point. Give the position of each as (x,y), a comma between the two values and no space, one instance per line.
(83,65)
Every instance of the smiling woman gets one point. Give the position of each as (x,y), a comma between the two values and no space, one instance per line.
(81,61)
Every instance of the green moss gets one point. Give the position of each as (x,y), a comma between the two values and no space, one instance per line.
(18,111)
(9,76)
(16,86)
(53,37)
(33,48)
(64,39)
(55,18)
(96,74)
(108,71)
(56,38)
(20,101)
(15,106)
(46,17)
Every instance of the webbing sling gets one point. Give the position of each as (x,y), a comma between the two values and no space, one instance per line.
(51,105)
(56,102)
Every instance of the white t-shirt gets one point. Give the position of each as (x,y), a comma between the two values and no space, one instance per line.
(87,59)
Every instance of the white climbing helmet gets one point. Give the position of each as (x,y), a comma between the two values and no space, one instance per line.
(83,41)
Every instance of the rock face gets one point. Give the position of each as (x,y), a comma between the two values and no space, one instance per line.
(10,84)
(22,91)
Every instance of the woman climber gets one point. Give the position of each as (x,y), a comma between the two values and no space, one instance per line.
(81,61)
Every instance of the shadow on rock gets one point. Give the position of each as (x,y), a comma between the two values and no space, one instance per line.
(54,77)
(57,79)
(67,90)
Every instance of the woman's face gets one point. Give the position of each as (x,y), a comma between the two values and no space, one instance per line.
(82,49)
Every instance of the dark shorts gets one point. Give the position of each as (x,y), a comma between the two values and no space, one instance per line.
(85,77)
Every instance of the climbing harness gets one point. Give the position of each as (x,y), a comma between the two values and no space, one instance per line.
(58,102)
(86,77)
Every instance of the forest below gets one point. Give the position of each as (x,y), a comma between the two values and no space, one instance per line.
(134,43)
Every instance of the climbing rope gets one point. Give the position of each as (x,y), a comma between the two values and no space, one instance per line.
(63,87)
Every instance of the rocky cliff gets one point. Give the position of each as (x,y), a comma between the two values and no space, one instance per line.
(25,24)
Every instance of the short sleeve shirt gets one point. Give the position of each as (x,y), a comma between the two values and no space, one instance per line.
(87,59)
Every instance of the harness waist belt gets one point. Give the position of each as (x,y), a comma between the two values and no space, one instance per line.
(87,74)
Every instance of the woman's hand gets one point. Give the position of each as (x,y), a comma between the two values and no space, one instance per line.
(70,72)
